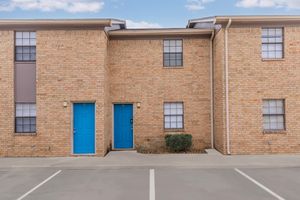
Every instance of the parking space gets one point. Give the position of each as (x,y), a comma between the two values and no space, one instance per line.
(135,183)
(285,181)
(206,184)
(17,181)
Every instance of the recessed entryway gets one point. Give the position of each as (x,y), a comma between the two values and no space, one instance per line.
(123,126)
(84,128)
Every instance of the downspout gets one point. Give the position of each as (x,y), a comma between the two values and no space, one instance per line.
(211,91)
(226,87)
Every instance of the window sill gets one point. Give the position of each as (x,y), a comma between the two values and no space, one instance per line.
(25,62)
(174,130)
(274,132)
(179,67)
(272,59)
(25,134)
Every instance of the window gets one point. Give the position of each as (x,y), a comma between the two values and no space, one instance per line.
(274,114)
(25,118)
(272,43)
(173,53)
(25,46)
(173,114)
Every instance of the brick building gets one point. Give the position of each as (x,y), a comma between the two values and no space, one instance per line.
(84,87)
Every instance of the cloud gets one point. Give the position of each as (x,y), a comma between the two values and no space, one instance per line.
(72,6)
(291,4)
(195,5)
(141,24)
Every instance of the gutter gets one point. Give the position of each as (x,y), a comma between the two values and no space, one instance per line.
(226,87)
(211,91)
(159,32)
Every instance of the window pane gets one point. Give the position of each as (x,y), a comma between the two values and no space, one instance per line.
(179,118)
(166,43)
(266,119)
(172,56)
(168,119)
(166,63)
(19,35)
(266,126)
(279,54)
(19,49)
(26,120)
(167,125)
(32,42)
(264,47)
(279,40)
(265,40)
(19,42)
(19,112)
(19,57)
(271,54)
(32,35)
(167,56)
(264,54)
(26,49)
(26,57)
(25,35)
(178,42)
(26,42)
(279,32)
(167,105)
(179,125)
(167,111)
(26,128)
(264,32)
(172,43)
(278,47)
(32,49)
(32,120)
(173,49)
(33,128)
(271,47)
(178,49)
(173,125)
(32,57)
(19,121)
(172,62)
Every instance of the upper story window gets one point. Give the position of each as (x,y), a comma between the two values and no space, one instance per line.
(272,43)
(25,46)
(274,114)
(173,53)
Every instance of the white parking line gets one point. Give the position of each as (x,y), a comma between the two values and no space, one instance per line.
(152,185)
(39,185)
(259,184)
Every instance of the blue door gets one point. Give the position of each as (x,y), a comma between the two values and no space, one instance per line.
(123,126)
(84,128)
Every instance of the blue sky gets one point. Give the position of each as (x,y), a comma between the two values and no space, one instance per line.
(145,13)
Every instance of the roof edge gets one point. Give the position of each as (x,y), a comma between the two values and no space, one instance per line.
(61,22)
(160,32)
(244,19)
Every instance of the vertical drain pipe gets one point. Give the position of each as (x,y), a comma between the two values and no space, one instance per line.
(212,92)
(226,86)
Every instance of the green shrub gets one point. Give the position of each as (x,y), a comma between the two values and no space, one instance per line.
(179,142)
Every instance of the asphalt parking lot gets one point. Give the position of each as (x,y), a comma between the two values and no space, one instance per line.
(161,183)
